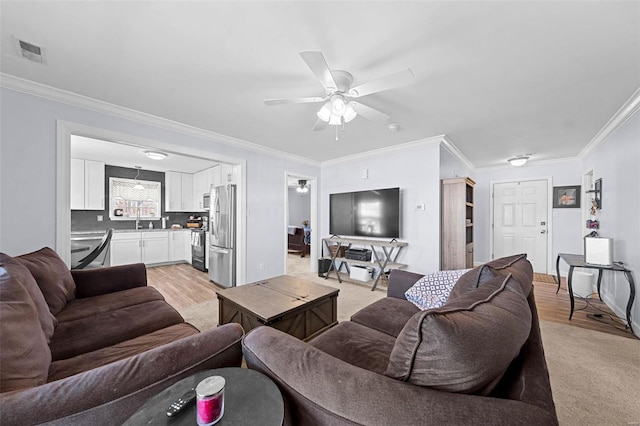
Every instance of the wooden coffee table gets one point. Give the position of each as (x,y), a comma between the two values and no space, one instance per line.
(292,305)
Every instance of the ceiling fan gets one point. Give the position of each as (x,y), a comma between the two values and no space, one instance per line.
(339,106)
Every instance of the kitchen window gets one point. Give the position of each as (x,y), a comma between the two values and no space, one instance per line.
(126,202)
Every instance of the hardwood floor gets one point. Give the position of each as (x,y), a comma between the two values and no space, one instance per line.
(183,286)
(556,307)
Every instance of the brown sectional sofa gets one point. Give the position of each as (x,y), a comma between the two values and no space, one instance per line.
(91,346)
(476,360)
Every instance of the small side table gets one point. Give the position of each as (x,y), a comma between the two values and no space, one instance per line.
(577,261)
(250,398)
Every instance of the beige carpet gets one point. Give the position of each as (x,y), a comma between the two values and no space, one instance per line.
(595,377)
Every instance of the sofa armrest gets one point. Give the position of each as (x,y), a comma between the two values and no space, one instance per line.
(400,281)
(110,394)
(94,282)
(321,389)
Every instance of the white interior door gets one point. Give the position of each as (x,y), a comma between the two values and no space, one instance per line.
(520,218)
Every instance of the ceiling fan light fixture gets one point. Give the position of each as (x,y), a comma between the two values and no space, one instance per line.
(519,160)
(335,120)
(338,106)
(302,186)
(325,112)
(349,113)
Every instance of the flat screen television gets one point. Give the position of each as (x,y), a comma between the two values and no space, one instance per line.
(374,213)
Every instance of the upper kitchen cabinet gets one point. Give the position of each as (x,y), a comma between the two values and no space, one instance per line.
(202,183)
(178,192)
(223,174)
(87,184)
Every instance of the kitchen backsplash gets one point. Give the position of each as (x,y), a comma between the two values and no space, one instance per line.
(87,220)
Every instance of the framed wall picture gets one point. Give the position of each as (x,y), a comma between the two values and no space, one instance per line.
(566,197)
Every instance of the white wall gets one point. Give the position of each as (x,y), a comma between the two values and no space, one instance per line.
(617,162)
(566,224)
(415,169)
(28,177)
(299,207)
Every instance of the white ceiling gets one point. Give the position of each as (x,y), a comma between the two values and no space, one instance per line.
(123,155)
(498,78)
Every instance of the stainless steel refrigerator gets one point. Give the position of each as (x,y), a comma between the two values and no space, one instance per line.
(222,240)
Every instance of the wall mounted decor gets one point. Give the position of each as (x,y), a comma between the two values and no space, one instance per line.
(566,197)
(597,193)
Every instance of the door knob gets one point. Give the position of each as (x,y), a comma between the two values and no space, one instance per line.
(544,231)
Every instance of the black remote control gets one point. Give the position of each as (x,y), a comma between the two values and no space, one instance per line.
(181,403)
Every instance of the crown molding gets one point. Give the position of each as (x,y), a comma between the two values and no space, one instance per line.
(626,111)
(385,150)
(453,150)
(70,98)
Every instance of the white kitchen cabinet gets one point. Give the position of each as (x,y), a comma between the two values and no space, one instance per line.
(125,248)
(134,247)
(227,174)
(155,247)
(180,246)
(87,184)
(202,183)
(223,174)
(199,183)
(178,196)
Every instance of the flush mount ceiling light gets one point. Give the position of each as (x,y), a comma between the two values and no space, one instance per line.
(303,187)
(156,155)
(519,160)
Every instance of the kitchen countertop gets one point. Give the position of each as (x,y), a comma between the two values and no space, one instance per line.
(117,231)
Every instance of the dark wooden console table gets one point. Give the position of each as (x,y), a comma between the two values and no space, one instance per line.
(577,261)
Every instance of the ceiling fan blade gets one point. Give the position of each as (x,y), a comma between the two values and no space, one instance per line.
(391,81)
(369,113)
(293,100)
(320,125)
(315,61)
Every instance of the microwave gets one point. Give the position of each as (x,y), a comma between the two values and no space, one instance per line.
(206,201)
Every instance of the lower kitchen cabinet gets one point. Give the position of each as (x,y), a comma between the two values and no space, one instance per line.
(135,247)
(180,246)
(155,247)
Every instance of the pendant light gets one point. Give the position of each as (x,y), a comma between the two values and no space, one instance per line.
(138,186)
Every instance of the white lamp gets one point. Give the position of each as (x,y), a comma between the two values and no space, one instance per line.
(156,155)
(519,160)
(336,111)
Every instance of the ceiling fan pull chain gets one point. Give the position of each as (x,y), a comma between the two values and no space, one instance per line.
(336,133)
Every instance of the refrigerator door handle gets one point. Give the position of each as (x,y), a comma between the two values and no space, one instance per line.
(220,250)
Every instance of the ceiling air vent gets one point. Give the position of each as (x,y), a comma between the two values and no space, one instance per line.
(31,51)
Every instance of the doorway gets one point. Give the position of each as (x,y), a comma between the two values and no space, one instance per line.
(63,147)
(301,220)
(520,221)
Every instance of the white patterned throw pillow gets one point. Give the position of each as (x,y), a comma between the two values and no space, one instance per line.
(432,291)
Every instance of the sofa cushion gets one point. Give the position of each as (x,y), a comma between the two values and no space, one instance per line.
(471,280)
(357,345)
(83,308)
(73,338)
(519,266)
(432,290)
(53,277)
(466,345)
(24,353)
(17,270)
(90,360)
(388,315)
